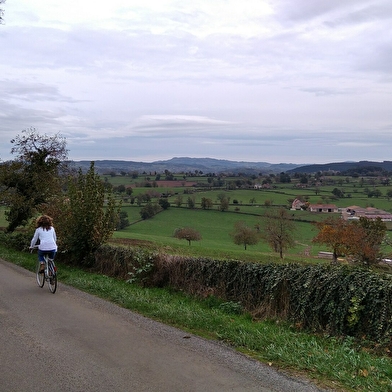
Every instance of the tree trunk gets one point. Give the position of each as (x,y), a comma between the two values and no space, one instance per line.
(334,258)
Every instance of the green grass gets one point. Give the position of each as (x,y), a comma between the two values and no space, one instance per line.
(331,362)
(215,228)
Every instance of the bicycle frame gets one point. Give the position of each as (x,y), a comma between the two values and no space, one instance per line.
(50,267)
(49,274)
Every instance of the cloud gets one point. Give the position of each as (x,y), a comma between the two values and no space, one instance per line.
(30,91)
(183,124)
(212,78)
(356,144)
(307,11)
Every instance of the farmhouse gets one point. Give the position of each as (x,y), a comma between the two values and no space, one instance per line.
(355,212)
(329,208)
(297,204)
(262,186)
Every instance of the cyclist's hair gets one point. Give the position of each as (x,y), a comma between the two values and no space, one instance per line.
(45,222)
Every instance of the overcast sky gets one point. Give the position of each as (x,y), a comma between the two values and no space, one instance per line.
(293,81)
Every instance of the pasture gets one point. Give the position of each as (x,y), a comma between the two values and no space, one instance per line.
(215,228)
(280,194)
(248,205)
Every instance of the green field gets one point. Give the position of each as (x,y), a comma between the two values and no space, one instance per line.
(215,228)
(248,205)
(279,195)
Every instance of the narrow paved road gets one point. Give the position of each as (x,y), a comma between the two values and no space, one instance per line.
(71,341)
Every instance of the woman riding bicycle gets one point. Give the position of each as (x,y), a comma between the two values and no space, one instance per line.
(46,235)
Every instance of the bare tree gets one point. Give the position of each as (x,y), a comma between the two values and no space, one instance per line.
(278,230)
(1,12)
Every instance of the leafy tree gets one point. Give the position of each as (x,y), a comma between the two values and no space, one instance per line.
(187,233)
(360,239)
(244,235)
(284,178)
(178,201)
(367,248)
(164,203)
(191,202)
(376,193)
(337,234)
(338,192)
(304,179)
(278,230)
(87,216)
(149,210)
(122,221)
(222,196)
(33,178)
(143,197)
(119,188)
(206,203)
(224,204)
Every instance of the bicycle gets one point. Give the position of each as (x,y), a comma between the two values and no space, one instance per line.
(48,274)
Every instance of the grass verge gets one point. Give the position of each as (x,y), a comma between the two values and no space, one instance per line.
(331,362)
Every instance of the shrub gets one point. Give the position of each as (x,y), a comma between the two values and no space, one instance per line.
(86,218)
(16,240)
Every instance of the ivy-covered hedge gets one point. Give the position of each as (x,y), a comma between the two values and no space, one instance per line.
(339,300)
(125,263)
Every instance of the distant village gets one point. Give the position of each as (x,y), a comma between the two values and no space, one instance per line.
(348,213)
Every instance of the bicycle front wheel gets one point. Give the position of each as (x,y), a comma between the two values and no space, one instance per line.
(40,275)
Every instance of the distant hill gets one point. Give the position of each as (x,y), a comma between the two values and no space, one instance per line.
(211,165)
(342,167)
(184,164)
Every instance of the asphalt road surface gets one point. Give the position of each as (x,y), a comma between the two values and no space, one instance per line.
(72,341)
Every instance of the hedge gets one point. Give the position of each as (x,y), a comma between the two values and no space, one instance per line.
(339,300)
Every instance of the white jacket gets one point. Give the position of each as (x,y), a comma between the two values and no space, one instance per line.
(47,239)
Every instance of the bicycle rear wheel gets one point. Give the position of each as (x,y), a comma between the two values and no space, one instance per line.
(52,283)
(52,278)
(40,275)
